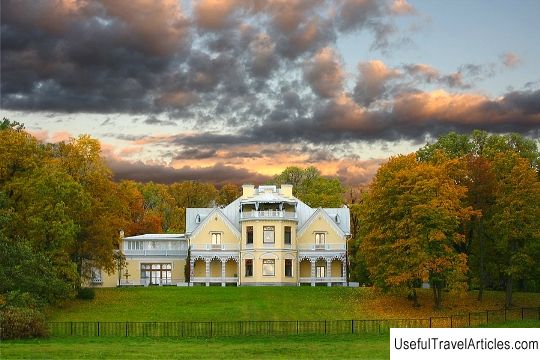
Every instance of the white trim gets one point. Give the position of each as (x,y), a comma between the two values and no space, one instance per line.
(312,218)
(269,256)
(219,213)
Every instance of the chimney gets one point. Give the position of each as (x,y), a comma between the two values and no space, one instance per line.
(248,191)
(286,190)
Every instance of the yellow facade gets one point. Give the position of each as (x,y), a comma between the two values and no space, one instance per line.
(252,250)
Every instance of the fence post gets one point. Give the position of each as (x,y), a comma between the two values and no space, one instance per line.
(521,313)
(469,319)
(451,322)
(325,326)
(126,328)
(430,321)
(504,314)
(487,316)
(211,326)
(72,328)
(98,328)
(352,326)
(296,327)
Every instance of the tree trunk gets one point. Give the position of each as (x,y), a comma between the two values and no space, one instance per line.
(437,296)
(482,250)
(509,283)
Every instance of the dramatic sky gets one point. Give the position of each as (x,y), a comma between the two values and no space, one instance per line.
(236,90)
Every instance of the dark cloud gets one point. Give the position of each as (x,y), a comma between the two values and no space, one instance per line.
(218,174)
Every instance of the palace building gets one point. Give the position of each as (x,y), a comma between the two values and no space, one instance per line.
(265,237)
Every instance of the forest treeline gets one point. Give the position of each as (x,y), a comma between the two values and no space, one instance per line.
(462,213)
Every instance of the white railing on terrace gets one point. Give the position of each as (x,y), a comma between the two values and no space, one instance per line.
(315,247)
(214,279)
(215,247)
(322,279)
(268,214)
(146,282)
(156,252)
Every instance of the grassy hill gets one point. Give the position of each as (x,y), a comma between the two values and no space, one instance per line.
(265,303)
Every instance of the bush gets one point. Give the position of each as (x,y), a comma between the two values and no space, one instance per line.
(86,293)
(20,323)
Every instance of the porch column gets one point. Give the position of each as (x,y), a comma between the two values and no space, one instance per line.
(207,263)
(223,265)
(313,262)
(344,271)
(329,271)
(191,270)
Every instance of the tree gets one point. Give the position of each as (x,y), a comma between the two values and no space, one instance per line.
(98,237)
(516,221)
(411,221)
(228,193)
(311,187)
(193,194)
(477,152)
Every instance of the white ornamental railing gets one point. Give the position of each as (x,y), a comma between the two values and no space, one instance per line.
(315,247)
(215,247)
(213,279)
(156,252)
(268,214)
(322,279)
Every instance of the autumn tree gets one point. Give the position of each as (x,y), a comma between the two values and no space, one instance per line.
(515,225)
(411,221)
(193,194)
(477,151)
(228,193)
(99,234)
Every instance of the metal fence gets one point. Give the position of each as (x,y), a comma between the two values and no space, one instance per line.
(247,328)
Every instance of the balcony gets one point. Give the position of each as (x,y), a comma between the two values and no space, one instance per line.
(335,279)
(321,247)
(215,279)
(268,215)
(155,252)
(215,247)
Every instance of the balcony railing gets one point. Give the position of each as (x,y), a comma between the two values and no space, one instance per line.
(215,247)
(268,214)
(156,252)
(316,247)
(322,279)
(214,279)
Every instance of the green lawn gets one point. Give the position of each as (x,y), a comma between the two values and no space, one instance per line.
(371,346)
(344,347)
(264,303)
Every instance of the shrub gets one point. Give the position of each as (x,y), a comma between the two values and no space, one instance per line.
(20,323)
(86,293)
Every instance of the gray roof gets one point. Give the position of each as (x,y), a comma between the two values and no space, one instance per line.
(340,216)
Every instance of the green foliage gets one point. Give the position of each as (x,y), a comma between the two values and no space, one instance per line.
(228,193)
(411,222)
(86,293)
(312,188)
(21,323)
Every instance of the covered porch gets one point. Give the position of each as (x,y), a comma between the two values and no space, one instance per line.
(322,271)
(214,270)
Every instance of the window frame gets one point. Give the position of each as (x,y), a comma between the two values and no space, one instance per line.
(318,272)
(267,228)
(318,236)
(287,230)
(248,264)
(269,262)
(249,235)
(290,262)
(217,236)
